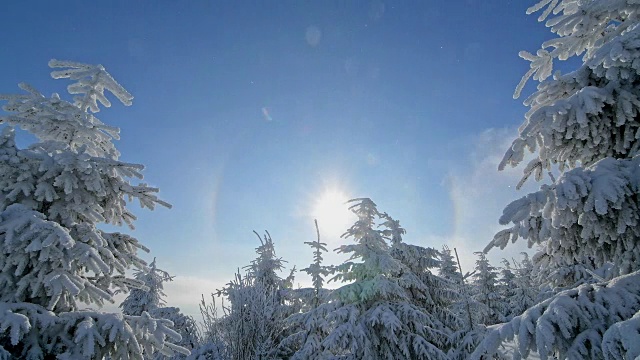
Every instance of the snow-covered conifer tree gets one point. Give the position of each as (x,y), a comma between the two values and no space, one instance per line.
(442,293)
(449,266)
(183,324)
(460,302)
(485,291)
(308,327)
(469,328)
(264,269)
(586,123)
(54,259)
(149,298)
(380,314)
(517,287)
(506,287)
(253,322)
(393,231)
(316,270)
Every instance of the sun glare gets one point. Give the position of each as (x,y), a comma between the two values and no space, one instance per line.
(333,215)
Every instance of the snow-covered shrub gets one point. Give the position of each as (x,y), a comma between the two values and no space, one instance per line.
(257,304)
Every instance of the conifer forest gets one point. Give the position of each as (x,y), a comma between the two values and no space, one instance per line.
(66,248)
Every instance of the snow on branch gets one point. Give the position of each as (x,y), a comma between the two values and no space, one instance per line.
(589,212)
(580,323)
(92,80)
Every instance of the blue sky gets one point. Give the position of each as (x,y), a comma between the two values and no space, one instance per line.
(246,112)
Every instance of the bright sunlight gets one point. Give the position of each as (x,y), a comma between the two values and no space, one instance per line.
(332,213)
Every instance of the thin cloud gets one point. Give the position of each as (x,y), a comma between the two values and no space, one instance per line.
(480,192)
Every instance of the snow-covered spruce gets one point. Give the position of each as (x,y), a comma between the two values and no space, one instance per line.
(467,332)
(449,266)
(484,285)
(184,325)
(307,324)
(316,270)
(253,324)
(517,287)
(506,287)
(151,296)
(588,217)
(580,323)
(382,313)
(151,299)
(54,260)
(587,221)
(443,294)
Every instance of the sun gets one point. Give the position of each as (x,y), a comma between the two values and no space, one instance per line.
(332,213)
